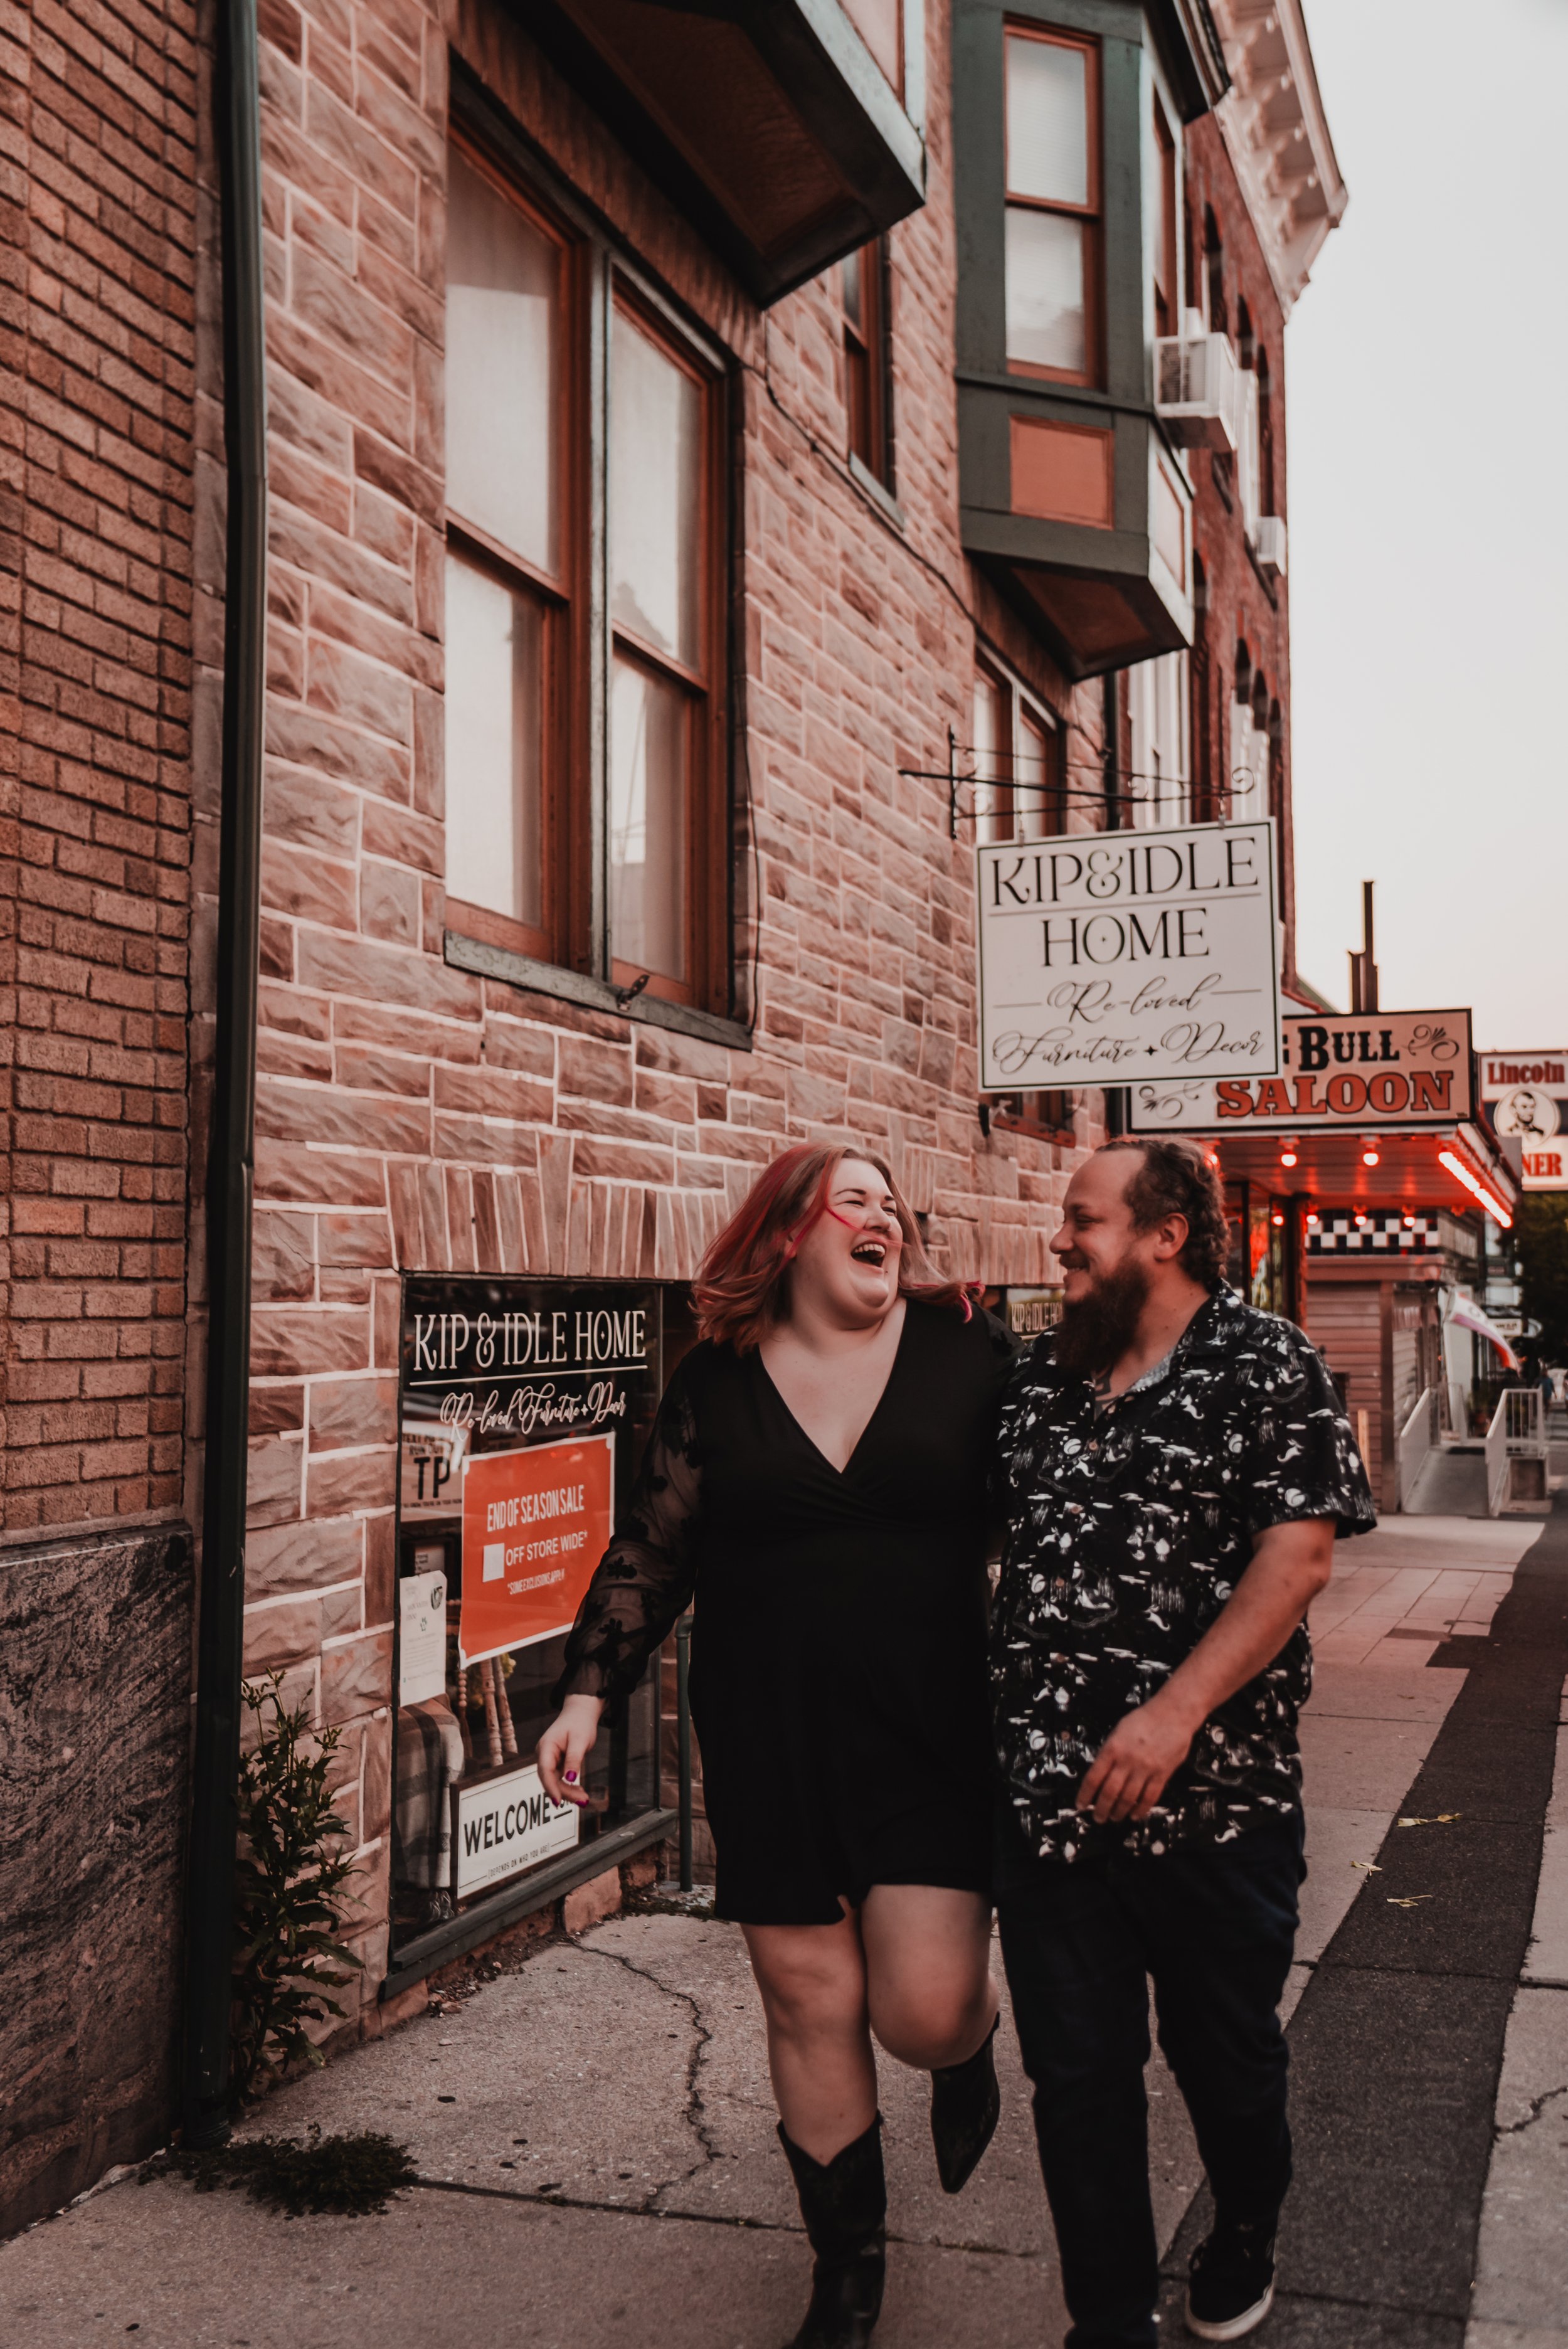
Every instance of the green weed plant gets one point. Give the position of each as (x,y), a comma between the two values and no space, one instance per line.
(292,1886)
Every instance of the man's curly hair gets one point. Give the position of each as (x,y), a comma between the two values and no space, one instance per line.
(1176,1179)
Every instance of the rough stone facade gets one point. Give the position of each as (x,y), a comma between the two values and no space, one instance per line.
(416,1118)
(97,131)
(94,1676)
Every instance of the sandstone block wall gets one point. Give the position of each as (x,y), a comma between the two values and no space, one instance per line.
(414,1117)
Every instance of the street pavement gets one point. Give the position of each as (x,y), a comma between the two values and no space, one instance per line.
(593,2132)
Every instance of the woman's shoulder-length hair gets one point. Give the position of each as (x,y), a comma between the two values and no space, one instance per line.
(741,1290)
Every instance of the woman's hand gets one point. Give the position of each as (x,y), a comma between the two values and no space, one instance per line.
(566,1747)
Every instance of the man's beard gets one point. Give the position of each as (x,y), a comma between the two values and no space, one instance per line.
(1093,1335)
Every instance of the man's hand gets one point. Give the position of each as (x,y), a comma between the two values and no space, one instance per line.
(1128,1774)
(1290,1563)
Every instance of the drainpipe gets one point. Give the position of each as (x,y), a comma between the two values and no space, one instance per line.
(210,1896)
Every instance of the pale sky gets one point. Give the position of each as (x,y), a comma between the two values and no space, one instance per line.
(1428,408)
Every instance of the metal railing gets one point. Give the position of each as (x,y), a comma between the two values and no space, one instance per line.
(1518,1431)
(1419,1439)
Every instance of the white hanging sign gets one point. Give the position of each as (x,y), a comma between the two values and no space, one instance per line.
(1107,958)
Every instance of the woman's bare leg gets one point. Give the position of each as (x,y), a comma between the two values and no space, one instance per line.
(812,1979)
(930,1996)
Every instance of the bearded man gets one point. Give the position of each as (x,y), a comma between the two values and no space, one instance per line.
(1175,1467)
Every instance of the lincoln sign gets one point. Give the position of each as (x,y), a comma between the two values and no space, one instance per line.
(1104,958)
(1354,1069)
(1525,1096)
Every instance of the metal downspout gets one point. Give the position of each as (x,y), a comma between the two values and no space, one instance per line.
(232,1143)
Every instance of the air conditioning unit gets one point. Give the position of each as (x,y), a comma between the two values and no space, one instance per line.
(1268,543)
(1195,389)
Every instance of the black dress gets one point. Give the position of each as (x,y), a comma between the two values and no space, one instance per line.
(838,1680)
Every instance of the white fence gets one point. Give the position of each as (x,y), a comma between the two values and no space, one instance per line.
(1517,1436)
(1419,1439)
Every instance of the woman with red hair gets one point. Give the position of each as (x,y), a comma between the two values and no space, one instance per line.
(816,1478)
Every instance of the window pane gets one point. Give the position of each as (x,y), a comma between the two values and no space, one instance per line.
(993,749)
(1036,806)
(1046,325)
(655,494)
(1048,121)
(503,349)
(852,278)
(495,645)
(647,821)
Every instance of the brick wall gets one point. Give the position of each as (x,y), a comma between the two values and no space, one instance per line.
(96,229)
(1242,603)
(413,1117)
(95,444)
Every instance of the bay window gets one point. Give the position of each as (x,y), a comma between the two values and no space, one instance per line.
(584,755)
(1053,204)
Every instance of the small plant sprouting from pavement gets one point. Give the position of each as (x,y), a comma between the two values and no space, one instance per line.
(352,2174)
(291,1882)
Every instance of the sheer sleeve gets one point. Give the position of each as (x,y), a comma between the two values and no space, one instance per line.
(646,1578)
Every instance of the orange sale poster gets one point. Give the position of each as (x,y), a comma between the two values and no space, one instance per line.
(535,1525)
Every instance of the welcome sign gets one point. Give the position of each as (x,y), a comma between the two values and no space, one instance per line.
(1107,958)
(503,1824)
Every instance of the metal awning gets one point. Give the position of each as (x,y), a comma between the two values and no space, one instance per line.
(1425,1167)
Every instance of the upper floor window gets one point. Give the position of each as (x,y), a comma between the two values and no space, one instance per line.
(1019,791)
(862,281)
(585,819)
(1213,275)
(1053,186)
(1166,310)
(1159,695)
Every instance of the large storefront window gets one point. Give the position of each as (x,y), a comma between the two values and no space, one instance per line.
(525,1406)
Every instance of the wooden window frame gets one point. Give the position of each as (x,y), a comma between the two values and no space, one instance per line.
(1090,214)
(705,866)
(1167,286)
(563,603)
(581,635)
(868,347)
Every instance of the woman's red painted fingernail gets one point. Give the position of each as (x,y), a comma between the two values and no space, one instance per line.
(572,1777)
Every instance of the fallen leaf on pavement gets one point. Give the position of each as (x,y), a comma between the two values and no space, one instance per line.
(1410,1900)
(1369,1866)
(1441,1820)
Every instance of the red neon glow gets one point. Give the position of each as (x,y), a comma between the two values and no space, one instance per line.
(1461,1174)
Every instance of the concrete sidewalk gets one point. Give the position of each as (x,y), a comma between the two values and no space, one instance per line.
(593,2129)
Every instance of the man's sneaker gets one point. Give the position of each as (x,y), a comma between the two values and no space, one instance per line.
(1229,2285)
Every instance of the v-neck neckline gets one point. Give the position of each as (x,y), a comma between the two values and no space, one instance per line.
(810,1441)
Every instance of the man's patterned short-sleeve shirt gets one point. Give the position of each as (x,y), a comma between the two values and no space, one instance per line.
(1129,1522)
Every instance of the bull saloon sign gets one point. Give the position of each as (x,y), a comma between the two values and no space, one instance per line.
(1357,1070)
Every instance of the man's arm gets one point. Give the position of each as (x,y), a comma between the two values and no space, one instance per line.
(1290,1564)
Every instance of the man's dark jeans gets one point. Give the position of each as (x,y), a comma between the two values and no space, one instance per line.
(1214,1926)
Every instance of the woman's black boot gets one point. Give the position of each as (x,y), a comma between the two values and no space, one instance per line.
(966,2105)
(844,2204)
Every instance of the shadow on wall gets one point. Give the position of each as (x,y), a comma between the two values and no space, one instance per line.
(95,1700)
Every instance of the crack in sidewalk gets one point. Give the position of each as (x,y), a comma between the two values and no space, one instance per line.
(739,2223)
(695,2112)
(1537,2106)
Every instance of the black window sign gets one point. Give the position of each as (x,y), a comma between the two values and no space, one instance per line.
(501,1366)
